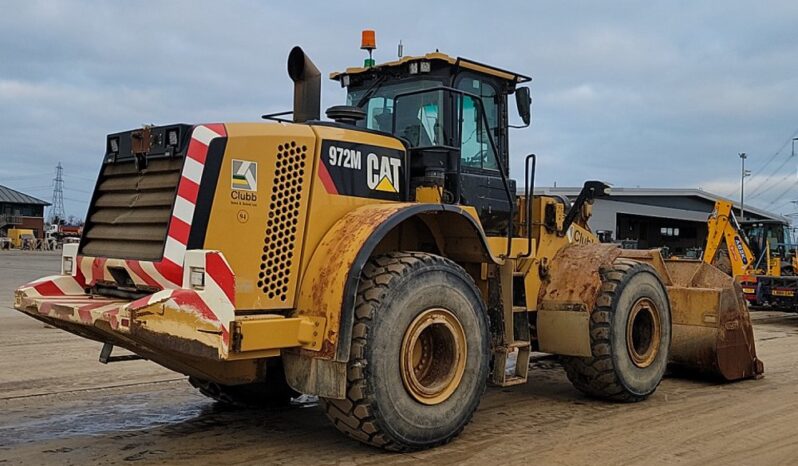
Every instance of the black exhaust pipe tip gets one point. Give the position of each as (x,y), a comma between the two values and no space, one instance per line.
(307,86)
(296,63)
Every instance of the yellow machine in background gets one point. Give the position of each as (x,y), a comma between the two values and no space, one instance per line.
(725,240)
(762,277)
(18,235)
(381,260)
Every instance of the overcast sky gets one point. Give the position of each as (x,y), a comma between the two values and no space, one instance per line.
(649,94)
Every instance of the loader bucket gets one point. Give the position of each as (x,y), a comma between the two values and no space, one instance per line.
(711,328)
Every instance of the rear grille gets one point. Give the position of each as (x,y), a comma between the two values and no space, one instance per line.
(131,210)
(281,228)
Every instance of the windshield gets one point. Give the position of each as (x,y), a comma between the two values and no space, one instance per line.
(787,235)
(761,234)
(421,120)
(379,105)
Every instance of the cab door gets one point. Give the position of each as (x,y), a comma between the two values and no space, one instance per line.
(480,179)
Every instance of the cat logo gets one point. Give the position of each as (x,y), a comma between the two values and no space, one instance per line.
(362,170)
(382,173)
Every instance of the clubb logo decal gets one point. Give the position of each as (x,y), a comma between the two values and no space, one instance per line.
(362,170)
(245,175)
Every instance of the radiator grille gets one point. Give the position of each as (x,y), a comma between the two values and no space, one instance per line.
(131,210)
(281,226)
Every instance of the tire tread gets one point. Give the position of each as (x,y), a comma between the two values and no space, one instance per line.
(356,415)
(596,376)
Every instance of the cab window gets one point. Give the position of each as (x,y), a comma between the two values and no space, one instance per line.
(487,92)
(420,119)
(476,150)
(379,106)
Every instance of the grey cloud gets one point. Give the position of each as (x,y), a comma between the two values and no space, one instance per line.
(660,94)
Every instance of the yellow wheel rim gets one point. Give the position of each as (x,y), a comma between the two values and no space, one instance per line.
(643,333)
(433,356)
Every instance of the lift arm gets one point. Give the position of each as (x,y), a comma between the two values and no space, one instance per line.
(722,226)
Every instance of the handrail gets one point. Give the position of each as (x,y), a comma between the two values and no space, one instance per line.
(529,191)
(273,116)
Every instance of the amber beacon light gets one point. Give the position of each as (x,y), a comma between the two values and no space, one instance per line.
(368,41)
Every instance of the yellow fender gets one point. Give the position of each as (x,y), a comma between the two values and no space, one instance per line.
(568,297)
(329,286)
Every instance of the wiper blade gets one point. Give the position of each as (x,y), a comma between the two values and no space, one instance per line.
(371,90)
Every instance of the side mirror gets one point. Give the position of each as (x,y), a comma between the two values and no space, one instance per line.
(524,103)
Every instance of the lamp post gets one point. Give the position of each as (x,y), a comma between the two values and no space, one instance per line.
(792,154)
(743,174)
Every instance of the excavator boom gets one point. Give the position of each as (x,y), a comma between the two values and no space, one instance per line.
(723,229)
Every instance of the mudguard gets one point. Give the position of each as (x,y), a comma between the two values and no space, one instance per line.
(329,285)
(568,296)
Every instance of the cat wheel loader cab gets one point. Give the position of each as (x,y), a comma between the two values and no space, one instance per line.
(382,260)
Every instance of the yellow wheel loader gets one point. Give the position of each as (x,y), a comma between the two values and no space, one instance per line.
(380,259)
(764,271)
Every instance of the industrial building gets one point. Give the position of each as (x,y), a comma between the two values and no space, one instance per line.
(19,210)
(655,217)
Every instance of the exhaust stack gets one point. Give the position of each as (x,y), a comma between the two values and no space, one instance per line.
(307,86)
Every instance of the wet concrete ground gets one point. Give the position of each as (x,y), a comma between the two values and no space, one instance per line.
(59,405)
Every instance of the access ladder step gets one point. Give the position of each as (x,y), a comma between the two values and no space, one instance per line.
(513,380)
(518,375)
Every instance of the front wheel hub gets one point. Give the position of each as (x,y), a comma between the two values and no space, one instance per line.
(643,333)
(433,356)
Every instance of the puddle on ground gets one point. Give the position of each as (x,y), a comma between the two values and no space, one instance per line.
(36,419)
(100,415)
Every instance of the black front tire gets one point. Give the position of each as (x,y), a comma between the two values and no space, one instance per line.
(612,372)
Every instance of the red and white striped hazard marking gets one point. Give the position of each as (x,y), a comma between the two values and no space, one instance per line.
(53,285)
(218,293)
(63,297)
(171,267)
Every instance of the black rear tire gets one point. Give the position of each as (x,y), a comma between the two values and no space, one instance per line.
(630,336)
(381,408)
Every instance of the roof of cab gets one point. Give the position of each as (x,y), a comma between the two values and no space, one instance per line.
(459,61)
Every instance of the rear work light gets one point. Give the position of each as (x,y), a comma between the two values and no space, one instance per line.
(172,137)
(67,266)
(197,278)
(113,145)
(69,252)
